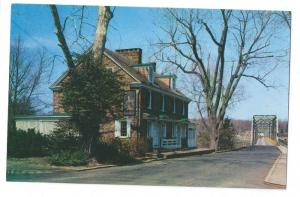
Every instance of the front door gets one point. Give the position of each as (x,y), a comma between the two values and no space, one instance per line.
(153,133)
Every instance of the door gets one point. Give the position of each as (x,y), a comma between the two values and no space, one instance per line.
(153,133)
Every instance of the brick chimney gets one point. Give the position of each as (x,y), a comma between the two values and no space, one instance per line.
(133,54)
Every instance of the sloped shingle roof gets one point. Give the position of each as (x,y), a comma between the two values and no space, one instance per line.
(125,65)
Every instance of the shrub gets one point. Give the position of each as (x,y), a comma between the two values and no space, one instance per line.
(115,150)
(28,143)
(64,138)
(227,136)
(69,158)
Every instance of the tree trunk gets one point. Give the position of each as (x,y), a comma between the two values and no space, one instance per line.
(61,38)
(104,14)
(212,124)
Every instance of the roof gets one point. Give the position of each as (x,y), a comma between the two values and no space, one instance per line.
(43,117)
(125,65)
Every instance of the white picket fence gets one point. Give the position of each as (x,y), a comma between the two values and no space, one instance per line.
(171,143)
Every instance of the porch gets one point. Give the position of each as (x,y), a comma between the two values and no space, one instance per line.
(171,135)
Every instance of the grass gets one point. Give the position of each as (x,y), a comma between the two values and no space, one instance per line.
(31,163)
(19,165)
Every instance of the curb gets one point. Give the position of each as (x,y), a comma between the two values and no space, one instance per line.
(93,168)
(177,155)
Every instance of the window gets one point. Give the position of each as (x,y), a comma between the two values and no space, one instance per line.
(123,128)
(149,100)
(163,103)
(111,69)
(183,108)
(129,103)
(150,74)
(174,105)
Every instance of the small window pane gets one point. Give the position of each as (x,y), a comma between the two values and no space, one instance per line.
(123,128)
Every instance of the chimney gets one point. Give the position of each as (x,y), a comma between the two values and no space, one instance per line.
(133,54)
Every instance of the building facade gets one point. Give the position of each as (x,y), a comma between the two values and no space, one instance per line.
(154,110)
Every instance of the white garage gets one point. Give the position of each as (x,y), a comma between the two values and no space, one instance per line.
(43,124)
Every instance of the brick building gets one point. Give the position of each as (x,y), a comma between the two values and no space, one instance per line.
(153,109)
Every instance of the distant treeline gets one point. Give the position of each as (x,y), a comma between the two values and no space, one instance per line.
(242,126)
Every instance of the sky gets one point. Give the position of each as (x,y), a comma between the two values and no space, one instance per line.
(137,28)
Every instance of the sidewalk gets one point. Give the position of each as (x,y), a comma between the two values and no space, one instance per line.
(277,174)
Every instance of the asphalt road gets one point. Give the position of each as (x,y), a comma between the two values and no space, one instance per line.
(261,141)
(243,168)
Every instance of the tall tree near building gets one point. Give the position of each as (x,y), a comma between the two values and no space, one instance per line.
(218,49)
(91,91)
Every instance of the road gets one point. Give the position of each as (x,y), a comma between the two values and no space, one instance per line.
(261,141)
(243,168)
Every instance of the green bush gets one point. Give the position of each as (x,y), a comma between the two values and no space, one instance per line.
(69,158)
(227,136)
(27,144)
(64,138)
(114,151)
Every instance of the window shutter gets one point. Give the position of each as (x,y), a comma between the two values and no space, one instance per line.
(117,128)
(128,127)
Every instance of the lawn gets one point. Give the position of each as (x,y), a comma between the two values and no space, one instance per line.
(42,165)
(29,164)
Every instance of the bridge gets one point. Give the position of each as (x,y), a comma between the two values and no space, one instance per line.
(264,129)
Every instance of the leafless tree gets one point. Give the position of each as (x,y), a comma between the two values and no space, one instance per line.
(26,74)
(104,16)
(217,49)
(96,48)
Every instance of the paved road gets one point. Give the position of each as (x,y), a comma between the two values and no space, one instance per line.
(243,168)
(261,141)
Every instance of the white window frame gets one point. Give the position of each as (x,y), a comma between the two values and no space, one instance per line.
(150,74)
(111,68)
(118,127)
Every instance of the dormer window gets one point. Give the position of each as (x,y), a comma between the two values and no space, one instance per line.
(150,74)
(173,82)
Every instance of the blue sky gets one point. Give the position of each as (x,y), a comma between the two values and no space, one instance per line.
(137,28)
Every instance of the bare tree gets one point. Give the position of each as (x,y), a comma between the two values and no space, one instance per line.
(218,49)
(105,14)
(89,133)
(26,75)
